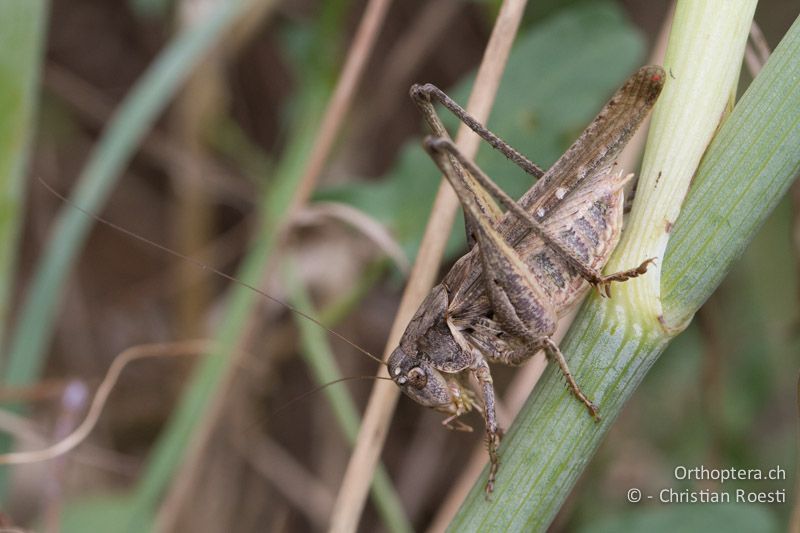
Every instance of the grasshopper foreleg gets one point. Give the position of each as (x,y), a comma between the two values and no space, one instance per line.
(484,378)
(453,423)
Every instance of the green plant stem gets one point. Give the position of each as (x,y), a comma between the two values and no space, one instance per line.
(207,378)
(22,32)
(22,35)
(319,357)
(747,168)
(34,329)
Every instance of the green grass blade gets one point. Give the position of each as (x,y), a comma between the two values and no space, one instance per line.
(319,357)
(307,110)
(208,377)
(609,348)
(135,116)
(22,34)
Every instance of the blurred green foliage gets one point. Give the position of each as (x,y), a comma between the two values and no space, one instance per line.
(698,518)
(558,76)
(561,71)
(22,25)
(22,37)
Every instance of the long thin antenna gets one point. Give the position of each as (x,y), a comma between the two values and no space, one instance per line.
(204,266)
(319,388)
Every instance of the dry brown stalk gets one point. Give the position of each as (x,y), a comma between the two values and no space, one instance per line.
(353,491)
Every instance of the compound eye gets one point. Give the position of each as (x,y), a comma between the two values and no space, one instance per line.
(417,377)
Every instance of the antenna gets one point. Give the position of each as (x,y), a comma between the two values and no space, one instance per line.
(204,266)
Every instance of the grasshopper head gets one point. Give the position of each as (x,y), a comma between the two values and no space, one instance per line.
(419,380)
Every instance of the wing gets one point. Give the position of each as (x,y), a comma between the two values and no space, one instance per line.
(579,198)
(600,143)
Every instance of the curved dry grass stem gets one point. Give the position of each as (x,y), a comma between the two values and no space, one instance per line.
(191,347)
(353,491)
(366,225)
(335,112)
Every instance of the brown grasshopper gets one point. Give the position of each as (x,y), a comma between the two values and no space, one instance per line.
(501,301)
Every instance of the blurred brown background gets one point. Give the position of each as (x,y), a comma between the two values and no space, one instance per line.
(722,395)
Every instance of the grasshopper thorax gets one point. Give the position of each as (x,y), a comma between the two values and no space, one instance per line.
(428,365)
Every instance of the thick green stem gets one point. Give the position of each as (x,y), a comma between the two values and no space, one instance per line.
(749,165)
(702,61)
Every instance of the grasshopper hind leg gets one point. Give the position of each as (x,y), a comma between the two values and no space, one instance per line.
(593,276)
(603,283)
(493,431)
(423,95)
(519,307)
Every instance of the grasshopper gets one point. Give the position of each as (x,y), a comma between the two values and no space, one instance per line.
(501,301)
